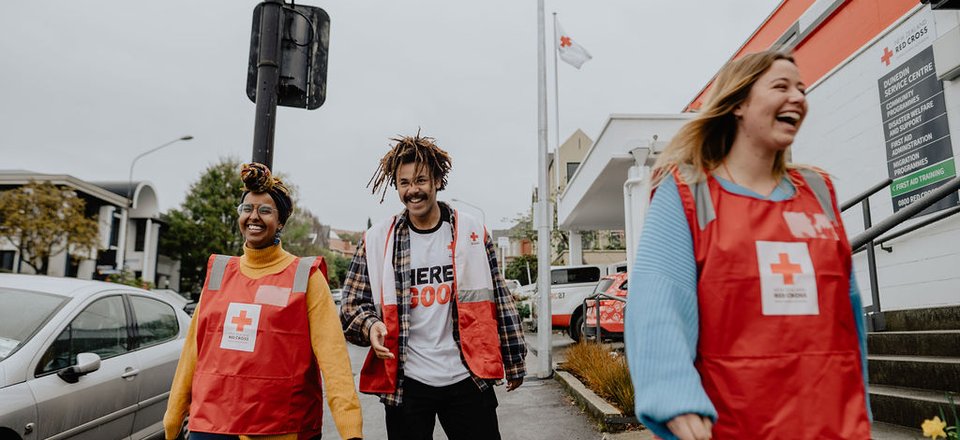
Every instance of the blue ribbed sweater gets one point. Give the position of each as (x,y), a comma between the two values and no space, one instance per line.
(662,318)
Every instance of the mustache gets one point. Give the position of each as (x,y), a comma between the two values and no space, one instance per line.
(409,197)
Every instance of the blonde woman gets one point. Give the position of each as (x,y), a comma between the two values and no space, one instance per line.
(744,320)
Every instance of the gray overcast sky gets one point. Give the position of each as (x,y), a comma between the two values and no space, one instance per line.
(86,86)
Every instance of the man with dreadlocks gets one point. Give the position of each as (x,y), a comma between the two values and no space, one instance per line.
(424,291)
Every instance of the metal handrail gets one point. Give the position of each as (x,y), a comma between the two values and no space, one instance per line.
(911,210)
(880,241)
(596,297)
(867,240)
(862,196)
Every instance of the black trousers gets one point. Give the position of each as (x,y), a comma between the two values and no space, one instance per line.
(464,411)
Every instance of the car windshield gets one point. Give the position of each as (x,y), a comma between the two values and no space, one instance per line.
(603,285)
(22,314)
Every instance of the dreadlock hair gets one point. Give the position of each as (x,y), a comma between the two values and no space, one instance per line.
(420,150)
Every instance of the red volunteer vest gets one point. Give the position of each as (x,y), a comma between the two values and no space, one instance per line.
(255,371)
(778,353)
(474,299)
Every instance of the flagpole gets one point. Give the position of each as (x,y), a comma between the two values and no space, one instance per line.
(544,321)
(556,106)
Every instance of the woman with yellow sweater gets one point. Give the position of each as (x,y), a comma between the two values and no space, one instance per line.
(264,334)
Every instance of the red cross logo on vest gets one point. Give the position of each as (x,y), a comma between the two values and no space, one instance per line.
(474,237)
(786,268)
(241,320)
(886,56)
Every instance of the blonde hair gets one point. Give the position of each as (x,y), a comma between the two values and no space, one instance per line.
(706,140)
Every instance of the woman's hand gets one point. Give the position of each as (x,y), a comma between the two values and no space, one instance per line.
(378,334)
(691,427)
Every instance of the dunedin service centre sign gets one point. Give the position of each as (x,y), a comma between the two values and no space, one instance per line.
(915,129)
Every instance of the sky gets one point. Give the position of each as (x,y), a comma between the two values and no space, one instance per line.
(87,86)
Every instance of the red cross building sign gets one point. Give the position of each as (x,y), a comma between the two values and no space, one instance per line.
(886,56)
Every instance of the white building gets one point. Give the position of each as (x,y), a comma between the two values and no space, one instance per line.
(884,98)
(129,231)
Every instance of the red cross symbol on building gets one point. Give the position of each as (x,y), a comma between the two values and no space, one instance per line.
(474,237)
(786,268)
(241,321)
(886,56)
(565,42)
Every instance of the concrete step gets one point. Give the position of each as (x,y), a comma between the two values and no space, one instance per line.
(915,343)
(933,373)
(886,431)
(936,318)
(906,407)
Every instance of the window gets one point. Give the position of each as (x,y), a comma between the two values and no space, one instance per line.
(603,285)
(7,260)
(115,230)
(101,328)
(156,321)
(23,314)
(72,267)
(141,235)
(571,169)
(575,275)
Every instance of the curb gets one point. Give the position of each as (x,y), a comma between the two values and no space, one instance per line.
(610,418)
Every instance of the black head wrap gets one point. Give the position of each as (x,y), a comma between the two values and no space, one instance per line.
(257,179)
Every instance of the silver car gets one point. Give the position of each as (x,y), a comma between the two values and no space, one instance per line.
(85,359)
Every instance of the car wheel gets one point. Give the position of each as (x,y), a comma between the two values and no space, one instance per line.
(576,327)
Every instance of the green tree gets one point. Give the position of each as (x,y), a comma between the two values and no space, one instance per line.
(128,278)
(301,233)
(206,223)
(41,220)
(336,268)
(517,269)
(301,237)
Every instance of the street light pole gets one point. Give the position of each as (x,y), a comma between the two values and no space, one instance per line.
(483,216)
(135,159)
(122,241)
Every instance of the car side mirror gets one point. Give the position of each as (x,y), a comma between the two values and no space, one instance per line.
(86,363)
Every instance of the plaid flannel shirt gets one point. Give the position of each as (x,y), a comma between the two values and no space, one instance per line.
(358,314)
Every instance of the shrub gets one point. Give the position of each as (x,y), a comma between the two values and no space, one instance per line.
(603,371)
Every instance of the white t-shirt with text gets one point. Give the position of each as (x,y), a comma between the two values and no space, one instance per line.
(433,356)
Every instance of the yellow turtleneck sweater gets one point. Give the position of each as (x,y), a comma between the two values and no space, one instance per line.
(326,337)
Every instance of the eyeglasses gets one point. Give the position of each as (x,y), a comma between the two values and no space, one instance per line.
(263,210)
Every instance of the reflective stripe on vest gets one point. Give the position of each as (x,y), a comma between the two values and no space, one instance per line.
(478,295)
(217,267)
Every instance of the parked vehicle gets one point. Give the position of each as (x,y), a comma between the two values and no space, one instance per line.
(513,286)
(85,359)
(569,286)
(337,295)
(611,311)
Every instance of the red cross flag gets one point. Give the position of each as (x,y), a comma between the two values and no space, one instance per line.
(571,52)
